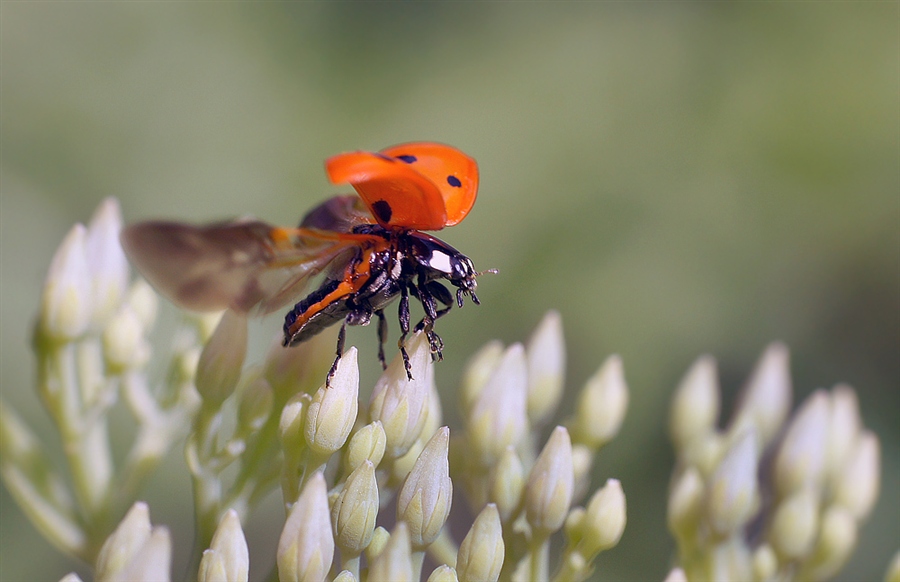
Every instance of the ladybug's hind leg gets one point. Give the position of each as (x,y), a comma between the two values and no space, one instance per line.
(382,336)
(342,335)
(403,312)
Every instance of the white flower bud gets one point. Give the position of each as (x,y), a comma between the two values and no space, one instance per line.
(306,547)
(482,551)
(695,406)
(765,400)
(227,557)
(425,498)
(499,417)
(602,405)
(394,562)
(221,360)
(333,409)
(733,496)
(67,300)
(546,355)
(106,259)
(548,493)
(400,403)
(800,461)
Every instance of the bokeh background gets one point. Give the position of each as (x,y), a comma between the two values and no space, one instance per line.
(675,179)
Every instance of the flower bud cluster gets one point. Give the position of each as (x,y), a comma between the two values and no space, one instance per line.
(822,484)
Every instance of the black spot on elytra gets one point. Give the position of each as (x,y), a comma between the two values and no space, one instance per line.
(382,210)
(408,158)
(454,181)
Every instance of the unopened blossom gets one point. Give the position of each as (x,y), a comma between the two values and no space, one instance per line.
(426,495)
(482,551)
(135,550)
(601,405)
(400,403)
(695,406)
(477,372)
(332,411)
(550,486)
(733,488)
(546,356)
(765,400)
(306,547)
(394,563)
(227,557)
(604,519)
(507,483)
(221,360)
(67,299)
(499,417)
(354,510)
(106,259)
(366,444)
(800,461)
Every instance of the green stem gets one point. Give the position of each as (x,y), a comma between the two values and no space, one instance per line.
(539,556)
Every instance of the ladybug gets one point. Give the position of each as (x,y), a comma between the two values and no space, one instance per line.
(370,247)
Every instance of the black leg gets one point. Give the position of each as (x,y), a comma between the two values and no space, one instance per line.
(342,335)
(404,329)
(382,336)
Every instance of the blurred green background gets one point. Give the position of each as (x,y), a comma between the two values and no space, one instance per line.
(675,179)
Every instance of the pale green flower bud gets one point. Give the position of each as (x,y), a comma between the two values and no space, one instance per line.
(366,444)
(221,360)
(67,299)
(695,406)
(602,405)
(152,562)
(106,259)
(733,496)
(255,405)
(124,345)
(765,400)
(482,550)
(507,483)
(843,427)
(795,525)
(400,403)
(478,371)
(355,509)
(893,571)
(499,417)
(125,542)
(676,575)
(835,541)
(306,547)
(686,503)
(765,563)
(604,519)
(857,485)
(548,492)
(425,498)
(443,573)
(800,461)
(379,541)
(144,301)
(394,563)
(227,557)
(546,355)
(345,576)
(332,412)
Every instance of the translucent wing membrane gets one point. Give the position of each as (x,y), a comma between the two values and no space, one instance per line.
(245,266)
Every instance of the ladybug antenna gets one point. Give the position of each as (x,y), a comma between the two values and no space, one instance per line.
(486,272)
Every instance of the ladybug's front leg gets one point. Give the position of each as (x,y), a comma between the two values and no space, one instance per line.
(342,335)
